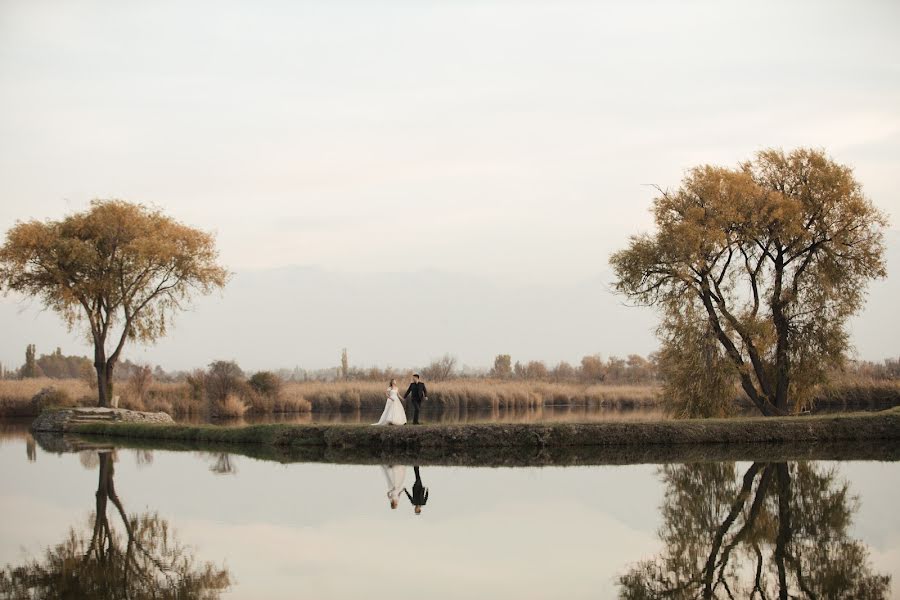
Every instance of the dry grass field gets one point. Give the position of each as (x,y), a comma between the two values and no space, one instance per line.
(456,395)
(16,394)
(859,394)
(477,394)
(27,388)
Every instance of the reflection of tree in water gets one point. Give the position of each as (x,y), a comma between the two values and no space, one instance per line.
(90,459)
(143,458)
(223,464)
(146,562)
(779,531)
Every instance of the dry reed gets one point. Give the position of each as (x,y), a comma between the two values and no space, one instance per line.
(858,394)
(232,407)
(474,394)
(456,397)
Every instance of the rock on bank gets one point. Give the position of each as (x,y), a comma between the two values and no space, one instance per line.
(64,419)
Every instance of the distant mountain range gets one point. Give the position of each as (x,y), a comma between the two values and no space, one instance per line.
(299,316)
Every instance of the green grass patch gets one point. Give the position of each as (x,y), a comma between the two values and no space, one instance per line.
(884,426)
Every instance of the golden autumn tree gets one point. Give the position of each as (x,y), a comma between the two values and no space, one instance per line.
(120,268)
(772,256)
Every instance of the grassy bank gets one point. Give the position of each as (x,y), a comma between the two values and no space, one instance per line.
(878,431)
(498,456)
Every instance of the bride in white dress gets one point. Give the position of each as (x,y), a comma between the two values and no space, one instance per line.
(396,478)
(393,408)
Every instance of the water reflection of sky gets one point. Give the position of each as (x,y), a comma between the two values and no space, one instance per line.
(327,531)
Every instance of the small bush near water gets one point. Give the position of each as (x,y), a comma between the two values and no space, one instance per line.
(266,383)
(231,407)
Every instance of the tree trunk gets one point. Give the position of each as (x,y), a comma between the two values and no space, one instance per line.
(110,364)
(101,531)
(736,508)
(782,365)
(782,359)
(761,401)
(783,477)
(104,383)
(104,368)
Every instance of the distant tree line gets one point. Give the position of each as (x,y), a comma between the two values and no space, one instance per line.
(61,366)
(55,365)
(591,369)
(886,370)
(594,368)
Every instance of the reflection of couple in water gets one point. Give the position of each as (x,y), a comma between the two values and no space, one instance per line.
(396,477)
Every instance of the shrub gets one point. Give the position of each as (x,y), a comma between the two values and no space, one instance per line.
(266,383)
(139,382)
(222,379)
(441,369)
(232,406)
(49,397)
(197,383)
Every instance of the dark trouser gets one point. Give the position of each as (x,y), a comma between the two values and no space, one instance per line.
(416,404)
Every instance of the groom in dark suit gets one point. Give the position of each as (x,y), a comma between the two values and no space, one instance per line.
(418,394)
(420,493)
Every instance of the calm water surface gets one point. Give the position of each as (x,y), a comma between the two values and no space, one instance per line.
(541,414)
(270,530)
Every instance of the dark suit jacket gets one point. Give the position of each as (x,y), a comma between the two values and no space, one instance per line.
(420,492)
(417,390)
(419,496)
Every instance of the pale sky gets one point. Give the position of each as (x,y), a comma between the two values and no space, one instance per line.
(511,141)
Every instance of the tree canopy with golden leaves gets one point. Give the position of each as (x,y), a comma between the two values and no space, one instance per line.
(774,255)
(120,268)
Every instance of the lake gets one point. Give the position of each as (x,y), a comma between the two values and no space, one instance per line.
(547,413)
(542,414)
(241,527)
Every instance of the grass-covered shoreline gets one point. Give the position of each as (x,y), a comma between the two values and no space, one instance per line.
(868,435)
(503,456)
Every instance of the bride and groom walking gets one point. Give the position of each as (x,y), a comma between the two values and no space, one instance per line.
(394,414)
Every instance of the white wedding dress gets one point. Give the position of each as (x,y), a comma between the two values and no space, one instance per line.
(396,478)
(393,410)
